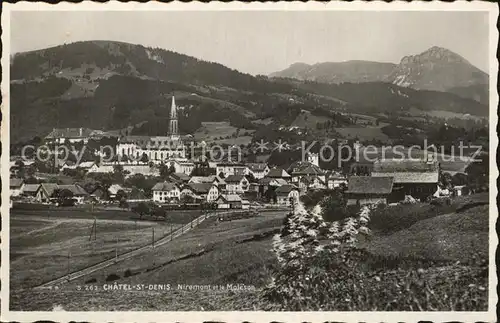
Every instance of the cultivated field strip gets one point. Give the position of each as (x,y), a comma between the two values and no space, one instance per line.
(88,270)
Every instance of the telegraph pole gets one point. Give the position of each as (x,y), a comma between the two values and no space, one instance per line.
(116,249)
(69,256)
(171,232)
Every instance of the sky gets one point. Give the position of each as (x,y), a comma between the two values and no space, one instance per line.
(262,42)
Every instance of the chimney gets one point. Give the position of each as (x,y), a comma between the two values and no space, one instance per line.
(81,132)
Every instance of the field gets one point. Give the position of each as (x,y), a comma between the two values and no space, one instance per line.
(43,242)
(363,133)
(238,252)
(211,132)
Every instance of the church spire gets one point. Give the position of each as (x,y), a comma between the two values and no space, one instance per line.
(173,109)
(173,129)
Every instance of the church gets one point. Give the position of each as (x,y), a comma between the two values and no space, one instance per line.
(157,148)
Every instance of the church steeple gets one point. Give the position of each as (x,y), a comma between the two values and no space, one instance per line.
(173,128)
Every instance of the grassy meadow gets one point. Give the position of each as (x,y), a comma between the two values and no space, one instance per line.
(448,244)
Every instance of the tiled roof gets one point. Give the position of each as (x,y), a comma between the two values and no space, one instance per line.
(234,178)
(113,189)
(16,182)
(231,198)
(49,188)
(285,189)
(181,176)
(407,170)
(305,168)
(77,190)
(257,167)
(32,188)
(202,179)
(200,188)
(164,186)
(277,172)
(369,185)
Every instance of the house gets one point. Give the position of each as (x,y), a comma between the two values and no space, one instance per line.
(363,190)
(179,178)
(88,166)
(229,168)
(230,201)
(266,183)
(415,177)
(79,193)
(208,192)
(30,190)
(102,169)
(71,135)
(287,194)
(334,180)
(459,190)
(15,186)
(181,165)
(278,173)
(301,169)
(258,170)
(237,184)
(113,190)
(100,194)
(46,192)
(245,204)
(310,182)
(165,192)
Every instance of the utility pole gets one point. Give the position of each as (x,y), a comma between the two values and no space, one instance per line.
(171,232)
(116,249)
(69,256)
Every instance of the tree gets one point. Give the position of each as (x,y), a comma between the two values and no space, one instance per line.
(121,195)
(171,169)
(21,171)
(144,158)
(141,209)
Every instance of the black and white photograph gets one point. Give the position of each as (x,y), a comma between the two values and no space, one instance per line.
(262,159)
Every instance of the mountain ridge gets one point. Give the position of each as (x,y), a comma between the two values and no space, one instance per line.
(436,69)
(111,85)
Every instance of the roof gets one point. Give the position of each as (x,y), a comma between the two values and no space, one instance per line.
(31,187)
(234,178)
(164,186)
(305,168)
(113,189)
(202,179)
(200,188)
(369,185)
(86,164)
(257,167)
(181,176)
(69,133)
(103,169)
(407,170)
(231,198)
(277,172)
(49,188)
(159,142)
(75,189)
(16,182)
(285,189)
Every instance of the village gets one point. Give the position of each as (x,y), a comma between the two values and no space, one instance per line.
(156,170)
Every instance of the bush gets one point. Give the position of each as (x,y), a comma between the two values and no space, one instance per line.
(112,277)
(127,273)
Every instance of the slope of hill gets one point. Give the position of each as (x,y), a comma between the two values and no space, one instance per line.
(111,85)
(329,72)
(477,92)
(437,69)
